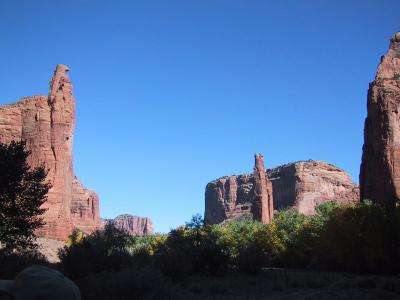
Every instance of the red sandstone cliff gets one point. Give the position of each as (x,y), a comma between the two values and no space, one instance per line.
(47,123)
(134,225)
(302,185)
(233,197)
(380,166)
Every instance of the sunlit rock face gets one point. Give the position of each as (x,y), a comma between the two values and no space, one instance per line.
(47,124)
(306,184)
(233,197)
(134,225)
(302,185)
(380,166)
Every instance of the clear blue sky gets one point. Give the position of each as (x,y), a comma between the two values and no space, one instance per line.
(172,94)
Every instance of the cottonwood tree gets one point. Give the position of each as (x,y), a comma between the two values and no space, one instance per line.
(23,190)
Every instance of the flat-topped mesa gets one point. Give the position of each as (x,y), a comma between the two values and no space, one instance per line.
(133,225)
(302,185)
(306,184)
(263,198)
(47,124)
(380,166)
(235,197)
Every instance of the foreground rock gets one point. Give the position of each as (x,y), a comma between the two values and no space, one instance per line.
(233,197)
(303,185)
(134,225)
(380,166)
(47,124)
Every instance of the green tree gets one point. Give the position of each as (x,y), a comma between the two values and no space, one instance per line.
(22,192)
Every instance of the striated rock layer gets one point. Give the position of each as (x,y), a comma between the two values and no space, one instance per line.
(85,208)
(47,124)
(134,225)
(380,166)
(233,197)
(306,184)
(303,185)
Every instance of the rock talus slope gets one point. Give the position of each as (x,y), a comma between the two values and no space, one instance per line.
(380,166)
(47,124)
(302,185)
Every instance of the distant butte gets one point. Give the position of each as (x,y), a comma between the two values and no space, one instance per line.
(302,185)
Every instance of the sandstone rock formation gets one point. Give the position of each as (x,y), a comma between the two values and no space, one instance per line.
(302,184)
(47,124)
(306,184)
(263,194)
(84,208)
(380,166)
(233,197)
(134,225)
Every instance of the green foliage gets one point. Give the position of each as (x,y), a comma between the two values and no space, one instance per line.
(103,250)
(362,238)
(22,192)
(191,249)
(357,238)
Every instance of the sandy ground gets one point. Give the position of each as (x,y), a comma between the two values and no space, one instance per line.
(49,248)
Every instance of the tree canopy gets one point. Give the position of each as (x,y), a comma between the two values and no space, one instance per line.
(23,190)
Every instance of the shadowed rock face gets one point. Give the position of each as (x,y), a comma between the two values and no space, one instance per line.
(134,225)
(47,124)
(233,197)
(302,185)
(380,166)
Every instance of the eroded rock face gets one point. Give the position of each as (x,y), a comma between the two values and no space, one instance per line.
(302,185)
(306,184)
(47,124)
(85,208)
(233,197)
(380,166)
(134,225)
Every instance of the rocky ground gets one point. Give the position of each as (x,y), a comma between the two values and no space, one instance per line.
(293,284)
(49,248)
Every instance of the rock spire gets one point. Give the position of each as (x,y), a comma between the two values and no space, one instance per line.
(380,166)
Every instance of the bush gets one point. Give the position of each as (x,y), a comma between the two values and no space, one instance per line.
(103,250)
(193,248)
(13,263)
(363,238)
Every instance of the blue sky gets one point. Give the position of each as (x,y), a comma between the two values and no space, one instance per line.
(173,94)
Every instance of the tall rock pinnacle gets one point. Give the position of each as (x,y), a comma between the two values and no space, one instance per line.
(47,124)
(234,197)
(263,199)
(380,166)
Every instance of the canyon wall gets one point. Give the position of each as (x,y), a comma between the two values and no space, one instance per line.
(380,166)
(47,124)
(134,225)
(233,197)
(303,185)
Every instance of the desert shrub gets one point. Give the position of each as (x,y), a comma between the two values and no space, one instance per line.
(362,238)
(103,250)
(13,263)
(192,248)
